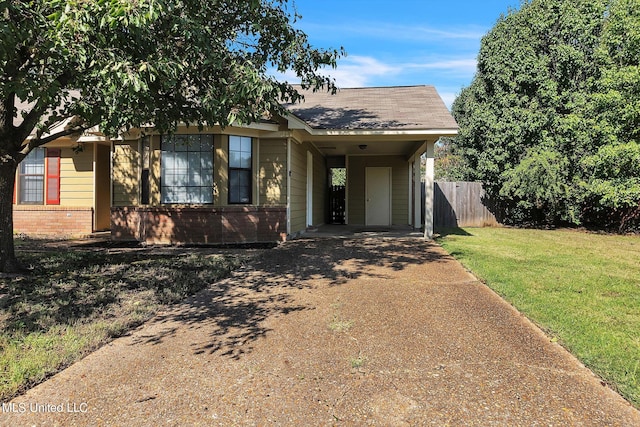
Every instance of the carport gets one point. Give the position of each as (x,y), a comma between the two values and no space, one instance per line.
(379,135)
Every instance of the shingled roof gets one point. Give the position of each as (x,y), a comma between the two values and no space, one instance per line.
(388,108)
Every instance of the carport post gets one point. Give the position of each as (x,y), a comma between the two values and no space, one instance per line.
(429,178)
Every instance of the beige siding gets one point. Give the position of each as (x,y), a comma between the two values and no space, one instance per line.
(76,177)
(319,188)
(221,170)
(272,172)
(355,190)
(299,186)
(298,202)
(356,187)
(103,193)
(154,170)
(126,174)
(400,189)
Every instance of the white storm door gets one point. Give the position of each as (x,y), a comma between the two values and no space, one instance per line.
(378,196)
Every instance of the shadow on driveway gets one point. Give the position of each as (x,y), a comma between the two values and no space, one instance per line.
(236,309)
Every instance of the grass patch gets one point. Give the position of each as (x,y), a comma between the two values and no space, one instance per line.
(338,325)
(583,289)
(78,299)
(357,362)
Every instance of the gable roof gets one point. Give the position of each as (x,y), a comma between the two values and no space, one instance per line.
(383,108)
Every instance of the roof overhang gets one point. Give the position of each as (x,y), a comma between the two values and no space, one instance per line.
(340,142)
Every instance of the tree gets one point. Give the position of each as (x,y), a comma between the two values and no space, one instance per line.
(610,187)
(449,164)
(557,80)
(611,193)
(119,64)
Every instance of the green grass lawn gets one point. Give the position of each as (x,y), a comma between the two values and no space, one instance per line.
(77,299)
(583,289)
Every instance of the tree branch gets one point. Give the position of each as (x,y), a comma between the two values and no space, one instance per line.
(38,142)
(6,112)
(32,118)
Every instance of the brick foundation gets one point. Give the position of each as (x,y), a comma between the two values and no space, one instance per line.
(52,220)
(232,224)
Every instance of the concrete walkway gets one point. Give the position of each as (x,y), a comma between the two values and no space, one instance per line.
(334,331)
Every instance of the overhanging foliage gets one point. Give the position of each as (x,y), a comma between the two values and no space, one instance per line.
(121,64)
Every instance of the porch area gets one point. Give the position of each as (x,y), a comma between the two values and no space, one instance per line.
(355,231)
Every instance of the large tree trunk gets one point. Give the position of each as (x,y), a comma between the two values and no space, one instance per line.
(8,261)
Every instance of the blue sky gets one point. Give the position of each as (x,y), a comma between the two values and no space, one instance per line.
(402,42)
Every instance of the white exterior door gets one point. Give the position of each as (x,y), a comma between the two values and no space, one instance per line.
(378,196)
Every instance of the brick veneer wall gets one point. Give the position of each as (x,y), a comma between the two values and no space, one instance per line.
(52,220)
(232,224)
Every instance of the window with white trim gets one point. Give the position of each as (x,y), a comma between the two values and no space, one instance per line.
(187,169)
(31,178)
(240,169)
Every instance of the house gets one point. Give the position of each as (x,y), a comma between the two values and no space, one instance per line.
(61,190)
(270,180)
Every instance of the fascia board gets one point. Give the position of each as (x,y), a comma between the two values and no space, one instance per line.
(373,132)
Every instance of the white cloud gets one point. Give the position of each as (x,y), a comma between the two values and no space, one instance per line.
(361,71)
(353,71)
(358,71)
(366,71)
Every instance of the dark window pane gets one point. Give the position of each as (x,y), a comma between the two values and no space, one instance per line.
(145,187)
(240,169)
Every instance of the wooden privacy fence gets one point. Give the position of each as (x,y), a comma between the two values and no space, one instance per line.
(461,204)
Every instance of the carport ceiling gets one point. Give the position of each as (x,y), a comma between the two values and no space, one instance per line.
(368,147)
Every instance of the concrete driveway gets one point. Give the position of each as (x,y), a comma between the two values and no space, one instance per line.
(332,331)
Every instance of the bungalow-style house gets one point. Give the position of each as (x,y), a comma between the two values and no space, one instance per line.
(265,181)
(270,180)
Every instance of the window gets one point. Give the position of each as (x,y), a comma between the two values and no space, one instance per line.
(187,169)
(240,161)
(31,178)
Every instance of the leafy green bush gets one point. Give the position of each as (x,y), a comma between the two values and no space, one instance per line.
(551,122)
(613,187)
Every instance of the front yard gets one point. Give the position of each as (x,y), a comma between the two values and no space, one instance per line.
(80,297)
(582,289)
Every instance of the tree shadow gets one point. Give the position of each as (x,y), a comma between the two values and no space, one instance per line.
(78,284)
(344,118)
(70,285)
(451,231)
(232,314)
